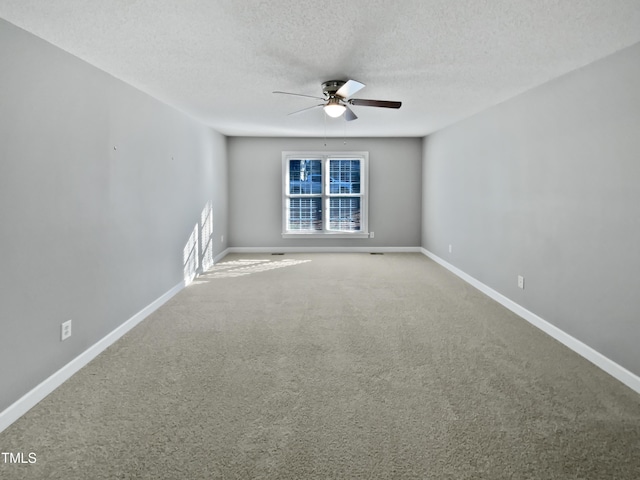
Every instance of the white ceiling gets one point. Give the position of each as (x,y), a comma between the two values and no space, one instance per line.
(219,60)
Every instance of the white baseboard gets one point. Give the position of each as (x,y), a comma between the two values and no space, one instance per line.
(31,398)
(612,368)
(220,256)
(324,250)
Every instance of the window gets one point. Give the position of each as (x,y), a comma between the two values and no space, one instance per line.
(325,194)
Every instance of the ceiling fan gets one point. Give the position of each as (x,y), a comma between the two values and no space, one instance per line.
(337,98)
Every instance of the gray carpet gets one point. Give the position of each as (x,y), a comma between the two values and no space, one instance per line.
(336,366)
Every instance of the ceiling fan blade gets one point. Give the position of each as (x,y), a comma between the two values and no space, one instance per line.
(305,109)
(374,103)
(349,115)
(300,95)
(349,88)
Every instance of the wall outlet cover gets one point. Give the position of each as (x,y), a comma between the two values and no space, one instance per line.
(65,330)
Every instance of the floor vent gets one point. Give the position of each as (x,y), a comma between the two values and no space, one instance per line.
(377,253)
(277,254)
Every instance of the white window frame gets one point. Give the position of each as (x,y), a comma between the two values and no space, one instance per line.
(325,157)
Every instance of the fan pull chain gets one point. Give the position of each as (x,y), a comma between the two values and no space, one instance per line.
(344,140)
(325,130)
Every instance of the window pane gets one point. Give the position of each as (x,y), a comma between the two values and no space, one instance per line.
(305,213)
(344,214)
(344,176)
(305,177)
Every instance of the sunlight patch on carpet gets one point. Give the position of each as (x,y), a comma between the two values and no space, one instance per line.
(238,268)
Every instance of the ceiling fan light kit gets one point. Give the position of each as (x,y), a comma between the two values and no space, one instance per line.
(333,108)
(337,99)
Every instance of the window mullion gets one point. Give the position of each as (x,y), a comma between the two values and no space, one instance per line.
(325,196)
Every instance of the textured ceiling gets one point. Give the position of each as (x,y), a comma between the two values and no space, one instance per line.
(219,60)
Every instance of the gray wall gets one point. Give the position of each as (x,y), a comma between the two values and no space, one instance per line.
(255,185)
(87,232)
(547,185)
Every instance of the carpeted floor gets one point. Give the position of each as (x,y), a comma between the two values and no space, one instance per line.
(332,366)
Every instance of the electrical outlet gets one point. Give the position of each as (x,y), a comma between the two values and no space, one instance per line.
(371,234)
(65,330)
(520,281)
(450,248)
(221,238)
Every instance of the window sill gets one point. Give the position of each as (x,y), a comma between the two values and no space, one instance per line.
(326,235)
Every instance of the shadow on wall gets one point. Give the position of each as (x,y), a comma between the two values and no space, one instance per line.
(198,252)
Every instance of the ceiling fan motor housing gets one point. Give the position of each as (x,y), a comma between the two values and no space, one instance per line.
(332,86)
